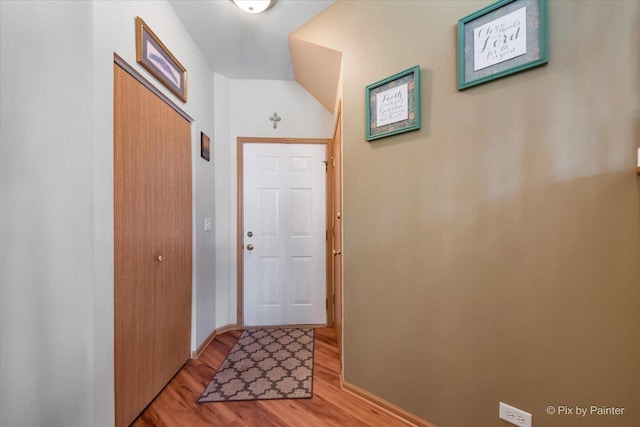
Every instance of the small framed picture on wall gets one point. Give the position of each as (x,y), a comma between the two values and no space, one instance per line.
(154,56)
(204,146)
(393,104)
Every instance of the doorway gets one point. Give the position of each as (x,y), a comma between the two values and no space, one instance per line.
(283,249)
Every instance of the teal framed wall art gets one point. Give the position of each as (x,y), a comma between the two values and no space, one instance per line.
(504,38)
(393,104)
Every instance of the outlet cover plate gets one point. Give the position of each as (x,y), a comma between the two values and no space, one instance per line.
(515,416)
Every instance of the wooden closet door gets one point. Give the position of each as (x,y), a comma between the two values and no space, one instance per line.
(152,197)
(175,307)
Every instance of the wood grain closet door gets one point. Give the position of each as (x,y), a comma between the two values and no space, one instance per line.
(152,290)
(175,308)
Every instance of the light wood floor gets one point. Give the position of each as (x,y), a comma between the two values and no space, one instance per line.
(330,406)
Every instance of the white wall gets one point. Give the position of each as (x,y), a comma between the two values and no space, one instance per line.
(225,314)
(46,226)
(56,294)
(251,103)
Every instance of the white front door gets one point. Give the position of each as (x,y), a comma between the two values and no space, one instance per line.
(284,236)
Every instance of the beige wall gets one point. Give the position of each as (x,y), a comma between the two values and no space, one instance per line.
(494,254)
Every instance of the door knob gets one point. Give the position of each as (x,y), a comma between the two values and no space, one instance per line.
(338,252)
(250,247)
(159,258)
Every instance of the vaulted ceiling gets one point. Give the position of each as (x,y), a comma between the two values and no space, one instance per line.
(241,45)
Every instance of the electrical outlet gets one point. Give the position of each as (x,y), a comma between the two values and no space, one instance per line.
(515,416)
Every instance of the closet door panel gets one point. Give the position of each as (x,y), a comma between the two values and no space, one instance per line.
(177,238)
(138,274)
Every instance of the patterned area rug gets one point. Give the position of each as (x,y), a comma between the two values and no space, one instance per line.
(265,364)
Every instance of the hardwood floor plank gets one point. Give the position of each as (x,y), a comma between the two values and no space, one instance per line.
(176,405)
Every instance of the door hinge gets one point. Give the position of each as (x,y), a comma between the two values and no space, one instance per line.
(326,235)
(325,166)
(326,303)
(333,161)
(334,298)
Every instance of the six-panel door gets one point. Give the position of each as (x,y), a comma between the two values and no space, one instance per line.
(284,203)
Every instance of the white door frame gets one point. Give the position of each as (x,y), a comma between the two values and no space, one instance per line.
(240,217)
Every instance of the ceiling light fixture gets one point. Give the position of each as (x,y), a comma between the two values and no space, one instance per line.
(254,6)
